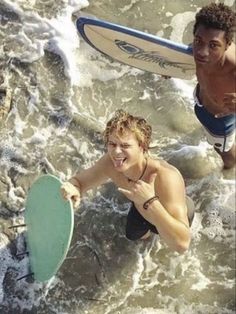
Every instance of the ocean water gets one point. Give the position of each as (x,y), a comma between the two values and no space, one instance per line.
(63,92)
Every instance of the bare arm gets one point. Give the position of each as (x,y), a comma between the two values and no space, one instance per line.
(86,180)
(169,213)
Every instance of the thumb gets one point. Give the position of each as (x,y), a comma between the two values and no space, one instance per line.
(152,178)
(76,201)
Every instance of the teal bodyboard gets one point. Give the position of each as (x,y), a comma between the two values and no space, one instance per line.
(50,222)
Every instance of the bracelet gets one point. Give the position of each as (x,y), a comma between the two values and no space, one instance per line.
(149,201)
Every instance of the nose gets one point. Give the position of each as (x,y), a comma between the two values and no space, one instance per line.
(117,149)
(203,52)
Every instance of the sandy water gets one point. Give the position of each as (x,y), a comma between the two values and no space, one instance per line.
(63,92)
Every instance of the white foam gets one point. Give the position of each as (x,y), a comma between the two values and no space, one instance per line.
(93,66)
(190,151)
(168,14)
(148,310)
(229,2)
(179,23)
(129,6)
(185,87)
(58,35)
(203,282)
(5,261)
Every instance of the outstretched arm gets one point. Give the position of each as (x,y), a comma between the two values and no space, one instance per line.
(85,180)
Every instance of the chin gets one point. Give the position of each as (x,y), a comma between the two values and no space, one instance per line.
(119,169)
(199,62)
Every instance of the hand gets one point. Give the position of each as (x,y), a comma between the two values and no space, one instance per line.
(140,191)
(69,191)
(229,102)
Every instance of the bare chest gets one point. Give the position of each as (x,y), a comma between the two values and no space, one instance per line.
(213,89)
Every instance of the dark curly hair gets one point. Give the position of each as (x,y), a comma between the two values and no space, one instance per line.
(123,122)
(218,16)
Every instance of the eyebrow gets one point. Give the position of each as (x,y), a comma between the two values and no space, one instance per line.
(215,41)
(122,143)
(211,41)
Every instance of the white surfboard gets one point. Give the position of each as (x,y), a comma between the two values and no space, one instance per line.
(138,49)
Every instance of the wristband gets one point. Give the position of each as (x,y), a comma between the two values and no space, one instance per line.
(149,201)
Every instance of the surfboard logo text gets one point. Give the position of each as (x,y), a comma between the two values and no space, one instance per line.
(150,56)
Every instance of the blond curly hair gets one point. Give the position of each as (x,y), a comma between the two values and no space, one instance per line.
(122,122)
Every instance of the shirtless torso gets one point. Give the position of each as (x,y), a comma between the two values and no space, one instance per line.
(216,73)
(140,178)
(215,70)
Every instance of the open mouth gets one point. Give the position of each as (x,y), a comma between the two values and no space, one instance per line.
(118,162)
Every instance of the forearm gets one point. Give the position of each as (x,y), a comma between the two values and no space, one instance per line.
(175,233)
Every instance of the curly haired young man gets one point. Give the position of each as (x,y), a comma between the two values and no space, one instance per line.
(155,188)
(215,95)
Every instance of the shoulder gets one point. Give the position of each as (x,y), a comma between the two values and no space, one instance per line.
(164,169)
(231,56)
(166,173)
(169,180)
(104,164)
(169,172)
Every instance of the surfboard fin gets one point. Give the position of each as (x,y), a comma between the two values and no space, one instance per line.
(25,276)
(17,226)
(22,253)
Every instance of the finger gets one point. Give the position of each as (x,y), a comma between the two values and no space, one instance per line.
(67,196)
(225,113)
(76,201)
(64,194)
(229,94)
(125,192)
(220,115)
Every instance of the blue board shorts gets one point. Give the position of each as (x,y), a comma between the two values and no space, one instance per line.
(220,132)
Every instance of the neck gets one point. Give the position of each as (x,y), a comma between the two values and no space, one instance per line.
(137,172)
(215,68)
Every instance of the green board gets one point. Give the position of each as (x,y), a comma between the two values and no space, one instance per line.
(50,221)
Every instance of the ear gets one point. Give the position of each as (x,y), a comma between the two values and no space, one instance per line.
(142,147)
(228,44)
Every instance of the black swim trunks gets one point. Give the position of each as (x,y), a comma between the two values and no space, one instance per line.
(137,226)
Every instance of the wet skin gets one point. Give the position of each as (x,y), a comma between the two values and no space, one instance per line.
(216,73)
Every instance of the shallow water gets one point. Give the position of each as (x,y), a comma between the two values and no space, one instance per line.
(63,92)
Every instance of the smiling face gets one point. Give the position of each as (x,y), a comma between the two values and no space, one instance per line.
(124,150)
(209,46)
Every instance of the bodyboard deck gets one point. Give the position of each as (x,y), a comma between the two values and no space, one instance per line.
(50,221)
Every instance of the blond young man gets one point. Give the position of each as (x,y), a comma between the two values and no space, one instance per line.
(154,187)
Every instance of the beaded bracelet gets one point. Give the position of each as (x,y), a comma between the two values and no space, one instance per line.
(149,201)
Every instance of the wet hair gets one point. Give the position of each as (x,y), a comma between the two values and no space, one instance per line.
(123,121)
(218,16)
